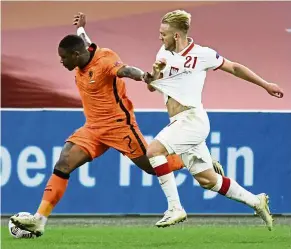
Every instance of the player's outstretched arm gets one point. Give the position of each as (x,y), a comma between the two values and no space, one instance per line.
(245,73)
(138,75)
(80,22)
(134,73)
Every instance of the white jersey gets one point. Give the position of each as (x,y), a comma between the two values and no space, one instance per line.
(185,73)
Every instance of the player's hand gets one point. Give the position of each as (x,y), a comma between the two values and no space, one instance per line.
(148,78)
(274,90)
(159,65)
(80,20)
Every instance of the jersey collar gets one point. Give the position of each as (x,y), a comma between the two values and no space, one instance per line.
(186,50)
(92,49)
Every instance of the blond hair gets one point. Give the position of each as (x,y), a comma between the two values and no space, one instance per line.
(179,19)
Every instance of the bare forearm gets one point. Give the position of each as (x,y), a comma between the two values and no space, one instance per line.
(245,73)
(130,72)
(81,32)
(136,74)
(248,75)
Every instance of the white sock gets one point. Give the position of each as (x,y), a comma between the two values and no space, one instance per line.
(167,181)
(41,217)
(231,189)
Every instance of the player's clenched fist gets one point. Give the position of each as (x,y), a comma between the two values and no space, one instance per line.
(159,65)
(79,20)
(274,90)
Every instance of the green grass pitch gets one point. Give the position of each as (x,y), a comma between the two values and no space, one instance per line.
(139,237)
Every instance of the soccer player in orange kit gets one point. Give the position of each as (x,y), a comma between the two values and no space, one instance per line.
(110,122)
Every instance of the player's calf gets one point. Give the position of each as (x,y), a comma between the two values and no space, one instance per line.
(53,192)
(71,158)
(232,190)
(206,179)
(157,153)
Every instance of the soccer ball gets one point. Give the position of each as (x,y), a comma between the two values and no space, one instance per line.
(18,233)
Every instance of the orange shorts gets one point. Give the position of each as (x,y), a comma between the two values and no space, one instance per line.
(95,141)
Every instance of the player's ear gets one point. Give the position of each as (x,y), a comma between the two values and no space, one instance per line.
(176,36)
(76,54)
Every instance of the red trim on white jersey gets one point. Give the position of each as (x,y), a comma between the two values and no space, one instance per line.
(219,65)
(190,46)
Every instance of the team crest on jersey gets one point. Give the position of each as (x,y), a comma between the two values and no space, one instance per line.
(90,77)
(117,63)
(173,71)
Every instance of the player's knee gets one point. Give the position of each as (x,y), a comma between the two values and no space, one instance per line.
(151,153)
(63,165)
(156,149)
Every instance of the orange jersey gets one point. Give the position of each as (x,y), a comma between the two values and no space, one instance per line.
(103,94)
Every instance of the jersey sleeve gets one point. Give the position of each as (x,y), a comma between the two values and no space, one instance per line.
(213,60)
(111,63)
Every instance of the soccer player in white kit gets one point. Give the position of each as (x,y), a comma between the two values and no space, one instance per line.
(181,68)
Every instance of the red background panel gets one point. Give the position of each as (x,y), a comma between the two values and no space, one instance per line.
(252,33)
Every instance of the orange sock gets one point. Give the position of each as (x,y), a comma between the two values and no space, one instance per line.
(175,162)
(53,192)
